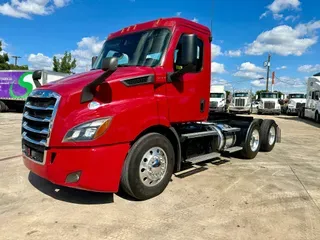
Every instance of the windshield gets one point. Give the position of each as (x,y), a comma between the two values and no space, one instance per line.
(216,95)
(269,95)
(241,94)
(137,49)
(296,96)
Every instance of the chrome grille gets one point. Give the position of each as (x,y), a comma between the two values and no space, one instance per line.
(214,104)
(38,116)
(240,102)
(269,105)
(300,105)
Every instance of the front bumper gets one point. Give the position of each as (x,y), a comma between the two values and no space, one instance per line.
(266,110)
(292,110)
(239,109)
(100,167)
(218,109)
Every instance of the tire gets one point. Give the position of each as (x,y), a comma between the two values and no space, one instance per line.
(317,117)
(248,152)
(142,155)
(3,107)
(268,131)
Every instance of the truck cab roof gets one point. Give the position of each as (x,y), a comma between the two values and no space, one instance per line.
(161,22)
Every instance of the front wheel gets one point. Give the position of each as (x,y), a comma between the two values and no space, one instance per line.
(148,167)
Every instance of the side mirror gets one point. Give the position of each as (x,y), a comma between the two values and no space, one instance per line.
(110,64)
(93,60)
(282,97)
(36,75)
(188,50)
(257,97)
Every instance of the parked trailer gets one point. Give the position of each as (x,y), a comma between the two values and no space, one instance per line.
(16,85)
(135,119)
(311,109)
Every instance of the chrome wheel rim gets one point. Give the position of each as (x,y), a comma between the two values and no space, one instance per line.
(153,166)
(254,141)
(272,135)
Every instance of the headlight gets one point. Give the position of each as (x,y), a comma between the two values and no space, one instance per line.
(88,131)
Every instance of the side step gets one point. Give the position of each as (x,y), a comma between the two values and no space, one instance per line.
(233,149)
(203,158)
(199,134)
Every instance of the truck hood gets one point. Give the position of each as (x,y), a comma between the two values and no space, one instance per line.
(298,100)
(75,83)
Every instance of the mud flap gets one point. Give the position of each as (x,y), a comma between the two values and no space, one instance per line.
(278,135)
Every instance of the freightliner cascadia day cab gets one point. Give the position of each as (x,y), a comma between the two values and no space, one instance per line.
(16,85)
(137,116)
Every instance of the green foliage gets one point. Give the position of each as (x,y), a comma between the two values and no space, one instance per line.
(64,64)
(4,62)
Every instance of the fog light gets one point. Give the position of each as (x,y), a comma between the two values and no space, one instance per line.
(73,177)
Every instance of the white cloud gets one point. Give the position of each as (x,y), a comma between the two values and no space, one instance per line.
(219,81)
(278,6)
(248,66)
(233,53)
(288,82)
(285,40)
(248,75)
(258,83)
(249,70)
(195,20)
(292,18)
(217,67)
(87,47)
(40,61)
(309,68)
(215,51)
(178,14)
(27,8)
(3,44)
(282,67)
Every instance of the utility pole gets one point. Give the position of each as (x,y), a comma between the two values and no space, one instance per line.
(16,59)
(267,64)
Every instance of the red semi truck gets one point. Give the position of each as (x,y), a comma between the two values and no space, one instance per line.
(137,116)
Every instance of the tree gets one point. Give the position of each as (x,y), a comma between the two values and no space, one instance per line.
(64,64)
(4,62)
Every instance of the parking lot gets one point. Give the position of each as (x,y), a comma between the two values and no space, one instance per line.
(274,196)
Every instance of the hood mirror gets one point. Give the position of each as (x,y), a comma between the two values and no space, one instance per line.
(36,76)
(110,64)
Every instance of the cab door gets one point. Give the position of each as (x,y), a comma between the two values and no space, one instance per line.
(188,96)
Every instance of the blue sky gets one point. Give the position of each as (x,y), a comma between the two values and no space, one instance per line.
(244,32)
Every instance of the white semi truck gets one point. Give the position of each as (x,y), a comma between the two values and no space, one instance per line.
(312,107)
(218,98)
(295,102)
(241,102)
(269,103)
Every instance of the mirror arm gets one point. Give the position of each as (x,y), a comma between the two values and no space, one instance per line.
(89,90)
(175,76)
